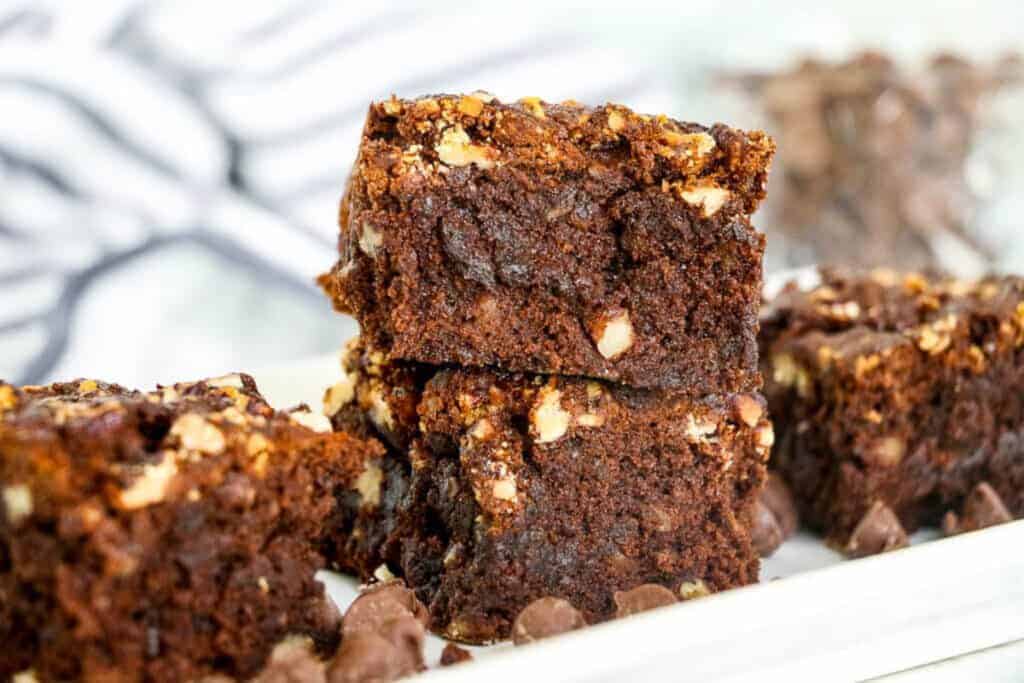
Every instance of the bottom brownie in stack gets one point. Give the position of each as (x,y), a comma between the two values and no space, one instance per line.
(162,536)
(502,488)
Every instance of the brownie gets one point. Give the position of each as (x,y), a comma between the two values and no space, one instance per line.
(874,159)
(556,238)
(900,389)
(521,486)
(163,536)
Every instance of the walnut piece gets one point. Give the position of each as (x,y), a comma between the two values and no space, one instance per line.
(317,422)
(151,486)
(613,334)
(455,149)
(17,503)
(709,197)
(197,434)
(368,484)
(549,420)
(338,396)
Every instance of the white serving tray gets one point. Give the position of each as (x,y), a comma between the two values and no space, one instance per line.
(824,619)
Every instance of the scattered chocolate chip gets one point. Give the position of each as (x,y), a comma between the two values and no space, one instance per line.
(380,603)
(642,598)
(877,532)
(293,661)
(544,618)
(406,634)
(766,533)
(366,656)
(982,508)
(777,497)
(453,654)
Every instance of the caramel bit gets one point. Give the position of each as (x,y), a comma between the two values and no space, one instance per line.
(886,452)
(534,106)
(455,149)
(470,105)
(392,107)
(8,399)
(915,283)
(936,337)
(87,385)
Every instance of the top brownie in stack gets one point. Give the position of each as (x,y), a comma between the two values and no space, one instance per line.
(556,238)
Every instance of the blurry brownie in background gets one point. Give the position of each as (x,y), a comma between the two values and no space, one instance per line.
(873,160)
(556,238)
(163,536)
(894,396)
(510,487)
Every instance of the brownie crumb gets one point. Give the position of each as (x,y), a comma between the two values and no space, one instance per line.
(453,654)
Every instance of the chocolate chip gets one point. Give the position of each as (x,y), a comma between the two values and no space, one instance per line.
(766,533)
(642,598)
(877,532)
(777,497)
(982,508)
(544,618)
(366,656)
(293,661)
(381,603)
(453,654)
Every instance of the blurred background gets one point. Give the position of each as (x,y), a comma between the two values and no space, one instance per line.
(170,171)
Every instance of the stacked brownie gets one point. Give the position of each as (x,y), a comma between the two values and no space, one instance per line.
(898,399)
(559,308)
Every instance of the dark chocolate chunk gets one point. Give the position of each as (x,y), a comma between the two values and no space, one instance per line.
(982,508)
(879,531)
(453,654)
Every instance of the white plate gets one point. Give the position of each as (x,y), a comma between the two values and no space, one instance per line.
(825,619)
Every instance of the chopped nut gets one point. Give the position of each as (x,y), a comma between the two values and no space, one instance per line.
(338,396)
(151,486)
(915,283)
(886,452)
(505,489)
(482,430)
(534,106)
(748,409)
(549,420)
(197,434)
(613,334)
(788,373)
(699,430)
(263,584)
(233,380)
(383,574)
(428,105)
(17,503)
(470,105)
(616,121)
(710,197)
(368,484)
(690,590)
(26,676)
(590,420)
(317,422)
(379,410)
(370,240)
(865,364)
(455,149)
(392,106)
(483,96)
(765,436)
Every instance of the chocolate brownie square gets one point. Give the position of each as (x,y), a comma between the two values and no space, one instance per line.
(162,536)
(523,486)
(556,238)
(897,390)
